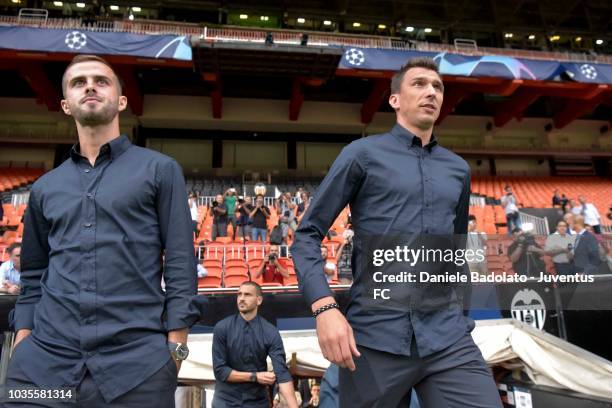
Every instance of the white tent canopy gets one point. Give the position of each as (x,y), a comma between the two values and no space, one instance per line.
(546,359)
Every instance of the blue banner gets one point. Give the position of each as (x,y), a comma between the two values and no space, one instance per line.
(498,66)
(91,42)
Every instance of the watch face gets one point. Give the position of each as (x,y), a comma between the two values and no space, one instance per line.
(182,352)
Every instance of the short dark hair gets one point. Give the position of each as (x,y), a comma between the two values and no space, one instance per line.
(471,217)
(516,229)
(255,285)
(419,62)
(89,58)
(13,247)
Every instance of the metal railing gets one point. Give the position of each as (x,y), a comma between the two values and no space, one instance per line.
(20,198)
(540,224)
(244,34)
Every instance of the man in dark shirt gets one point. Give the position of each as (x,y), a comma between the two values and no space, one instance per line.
(92,314)
(241,344)
(400,182)
(244,224)
(218,210)
(259,217)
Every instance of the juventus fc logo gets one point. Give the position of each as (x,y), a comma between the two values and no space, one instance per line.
(528,306)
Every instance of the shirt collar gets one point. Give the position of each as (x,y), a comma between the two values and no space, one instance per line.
(116,147)
(406,136)
(243,322)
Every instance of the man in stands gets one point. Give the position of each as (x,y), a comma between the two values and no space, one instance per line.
(586,249)
(569,220)
(590,214)
(230,199)
(526,254)
(559,246)
(329,267)
(10,271)
(476,241)
(303,205)
(218,210)
(400,182)
(510,204)
(96,229)
(272,267)
(241,344)
(259,219)
(244,208)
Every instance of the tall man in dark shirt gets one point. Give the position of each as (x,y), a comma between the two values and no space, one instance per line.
(92,314)
(241,344)
(400,182)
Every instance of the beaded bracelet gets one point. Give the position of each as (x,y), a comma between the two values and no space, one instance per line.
(324,308)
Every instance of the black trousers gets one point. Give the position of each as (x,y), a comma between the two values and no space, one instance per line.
(156,391)
(456,377)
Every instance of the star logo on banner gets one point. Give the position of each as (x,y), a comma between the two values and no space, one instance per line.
(588,71)
(76,40)
(354,57)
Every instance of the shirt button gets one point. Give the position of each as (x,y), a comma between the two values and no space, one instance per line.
(87,225)
(87,170)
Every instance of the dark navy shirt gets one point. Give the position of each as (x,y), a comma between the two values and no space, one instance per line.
(92,269)
(393,185)
(244,346)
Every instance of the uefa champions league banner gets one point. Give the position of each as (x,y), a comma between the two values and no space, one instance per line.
(498,66)
(91,42)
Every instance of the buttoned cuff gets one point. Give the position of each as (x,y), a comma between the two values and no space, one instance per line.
(180,314)
(315,288)
(24,316)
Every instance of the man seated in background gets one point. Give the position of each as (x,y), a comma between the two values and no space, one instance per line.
(10,271)
(272,268)
(559,246)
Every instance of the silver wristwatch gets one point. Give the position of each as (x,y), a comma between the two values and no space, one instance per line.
(179,351)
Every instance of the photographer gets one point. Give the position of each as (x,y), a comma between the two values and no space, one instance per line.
(525,254)
(259,216)
(272,268)
(510,204)
(243,209)
(285,208)
(344,255)
(218,210)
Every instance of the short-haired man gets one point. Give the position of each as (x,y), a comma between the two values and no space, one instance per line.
(218,210)
(586,249)
(559,245)
(101,231)
(400,182)
(272,268)
(241,344)
(259,217)
(477,241)
(590,214)
(10,271)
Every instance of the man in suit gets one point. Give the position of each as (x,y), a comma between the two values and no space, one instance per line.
(586,249)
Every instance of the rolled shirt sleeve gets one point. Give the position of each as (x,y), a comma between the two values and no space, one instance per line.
(34,261)
(176,230)
(334,193)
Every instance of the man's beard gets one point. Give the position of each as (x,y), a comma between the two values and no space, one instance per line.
(103,116)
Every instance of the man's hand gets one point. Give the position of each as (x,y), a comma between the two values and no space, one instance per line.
(335,336)
(13,289)
(266,378)
(21,334)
